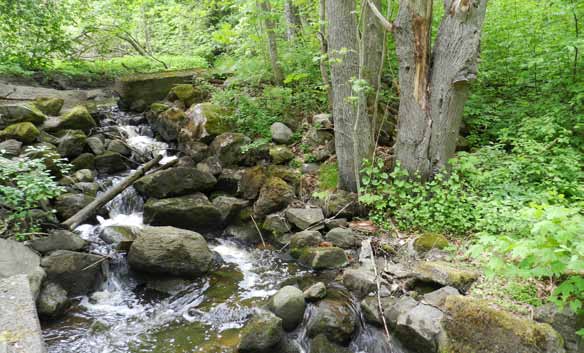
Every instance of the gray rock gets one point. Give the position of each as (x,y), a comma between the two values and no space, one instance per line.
(438,297)
(288,304)
(121,236)
(359,281)
(336,223)
(169,250)
(275,195)
(370,309)
(95,145)
(281,133)
(566,322)
(251,182)
(315,292)
(211,165)
(83,161)
(119,147)
(90,189)
(58,240)
(321,344)
(196,150)
(175,182)
(49,105)
(305,217)
(71,143)
(276,224)
(17,259)
(52,300)
(228,181)
(229,206)
(110,162)
(68,204)
(305,239)
(77,273)
(261,334)
(420,327)
(322,120)
(310,168)
(84,175)
(227,147)
(324,258)
(17,316)
(193,212)
(11,147)
(399,307)
(343,238)
(245,233)
(334,319)
(445,273)
(19,113)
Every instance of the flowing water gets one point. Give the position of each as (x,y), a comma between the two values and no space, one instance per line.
(130,314)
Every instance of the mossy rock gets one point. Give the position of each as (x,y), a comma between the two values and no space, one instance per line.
(321,344)
(77,118)
(261,334)
(217,121)
(187,94)
(275,195)
(472,325)
(20,113)
(48,105)
(158,107)
(429,241)
(290,175)
(445,274)
(281,154)
(24,132)
(84,161)
(252,180)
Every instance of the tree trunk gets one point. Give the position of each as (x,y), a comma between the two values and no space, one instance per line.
(293,23)
(324,69)
(272,42)
(353,140)
(434,83)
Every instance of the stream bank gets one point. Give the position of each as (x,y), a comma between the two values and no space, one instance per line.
(121,283)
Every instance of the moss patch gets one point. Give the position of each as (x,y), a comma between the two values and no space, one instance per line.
(25,132)
(430,241)
(328,176)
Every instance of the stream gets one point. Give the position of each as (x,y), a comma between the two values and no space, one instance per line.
(134,313)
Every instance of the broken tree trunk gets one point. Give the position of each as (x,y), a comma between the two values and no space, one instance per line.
(434,81)
(100,201)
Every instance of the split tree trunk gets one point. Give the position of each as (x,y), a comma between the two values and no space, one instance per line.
(293,22)
(353,141)
(272,42)
(434,83)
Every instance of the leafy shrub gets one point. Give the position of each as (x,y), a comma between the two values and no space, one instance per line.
(545,241)
(26,184)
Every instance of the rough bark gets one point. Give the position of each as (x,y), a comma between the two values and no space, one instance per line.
(353,140)
(373,36)
(293,22)
(272,42)
(434,83)
(324,70)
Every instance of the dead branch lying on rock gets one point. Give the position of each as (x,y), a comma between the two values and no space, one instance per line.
(102,200)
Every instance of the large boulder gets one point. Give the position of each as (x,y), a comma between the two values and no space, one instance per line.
(566,322)
(120,147)
(71,143)
(96,145)
(228,181)
(245,233)
(174,182)
(19,113)
(17,259)
(261,334)
(193,212)
(110,162)
(281,154)
(335,319)
(339,204)
(281,133)
(288,304)
(315,292)
(445,274)
(429,241)
(172,251)
(49,105)
(84,161)
(168,123)
(57,240)
(473,325)
(24,132)
(69,204)
(52,300)
(305,217)
(359,281)
(276,224)
(229,206)
(77,118)
(138,91)
(11,148)
(275,195)
(324,258)
(305,239)
(420,328)
(121,236)
(77,273)
(227,147)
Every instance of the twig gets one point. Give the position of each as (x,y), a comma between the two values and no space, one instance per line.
(324,221)
(259,231)
(96,263)
(377,283)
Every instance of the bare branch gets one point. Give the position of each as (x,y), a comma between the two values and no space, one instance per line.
(384,21)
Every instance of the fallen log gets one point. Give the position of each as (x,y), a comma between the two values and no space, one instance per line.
(106,197)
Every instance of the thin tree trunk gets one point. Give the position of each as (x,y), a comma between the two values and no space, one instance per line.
(353,140)
(324,69)
(147,41)
(434,84)
(272,42)
(293,22)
